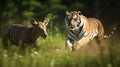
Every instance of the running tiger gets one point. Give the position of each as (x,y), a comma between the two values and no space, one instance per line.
(21,34)
(82,29)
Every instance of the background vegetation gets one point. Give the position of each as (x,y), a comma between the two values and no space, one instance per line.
(52,53)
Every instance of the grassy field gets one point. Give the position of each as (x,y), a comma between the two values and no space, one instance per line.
(53,54)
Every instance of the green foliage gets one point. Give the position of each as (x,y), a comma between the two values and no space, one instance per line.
(28,14)
(51,16)
(18,11)
(53,54)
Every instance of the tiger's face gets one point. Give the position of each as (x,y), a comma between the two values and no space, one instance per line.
(41,27)
(73,20)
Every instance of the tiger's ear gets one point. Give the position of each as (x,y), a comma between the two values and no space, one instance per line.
(46,21)
(67,13)
(79,12)
(34,22)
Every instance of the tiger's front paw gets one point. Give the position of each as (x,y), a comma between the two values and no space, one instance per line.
(75,47)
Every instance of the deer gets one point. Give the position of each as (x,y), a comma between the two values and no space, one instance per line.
(19,34)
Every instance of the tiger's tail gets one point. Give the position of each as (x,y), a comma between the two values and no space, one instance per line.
(112,30)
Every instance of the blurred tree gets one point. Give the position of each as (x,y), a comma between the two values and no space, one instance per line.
(20,11)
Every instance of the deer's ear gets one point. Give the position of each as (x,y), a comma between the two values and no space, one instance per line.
(34,22)
(46,21)
(67,12)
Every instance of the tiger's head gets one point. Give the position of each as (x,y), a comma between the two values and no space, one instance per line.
(73,20)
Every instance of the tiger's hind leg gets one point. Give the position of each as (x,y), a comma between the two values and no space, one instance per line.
(99,41)
(99,37)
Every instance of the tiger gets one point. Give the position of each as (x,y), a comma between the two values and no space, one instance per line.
(82,30)
(19,34)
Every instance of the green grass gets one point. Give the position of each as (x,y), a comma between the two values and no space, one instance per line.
(53,54)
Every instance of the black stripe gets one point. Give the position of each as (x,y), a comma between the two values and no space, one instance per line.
(80,30)
(70,36)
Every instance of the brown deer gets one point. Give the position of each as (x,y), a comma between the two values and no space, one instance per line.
(19,34)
